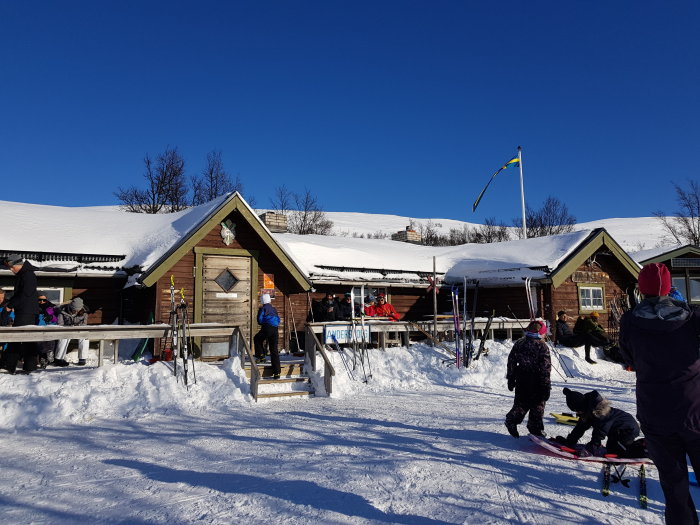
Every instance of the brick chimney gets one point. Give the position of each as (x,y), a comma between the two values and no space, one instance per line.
(276,222)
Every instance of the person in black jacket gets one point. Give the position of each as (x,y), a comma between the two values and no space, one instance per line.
(24,303)
(594,411)
(659,338)
(327,309)
(529,368)
(345,309)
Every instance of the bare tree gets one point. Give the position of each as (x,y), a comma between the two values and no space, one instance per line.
(490,231)
(213,181)
(308,217)
(283,201)
(684,227)
(165,186)
(551,219)
(459,236)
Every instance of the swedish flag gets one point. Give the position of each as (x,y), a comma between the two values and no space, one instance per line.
(512,163)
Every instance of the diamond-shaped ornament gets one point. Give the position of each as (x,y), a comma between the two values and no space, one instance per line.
(226,280)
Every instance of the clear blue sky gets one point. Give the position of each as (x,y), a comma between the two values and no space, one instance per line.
(398,107)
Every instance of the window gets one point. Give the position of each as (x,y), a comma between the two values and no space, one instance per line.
(55,295)
(679,284)
(357,298)
(694,294)
(591,298)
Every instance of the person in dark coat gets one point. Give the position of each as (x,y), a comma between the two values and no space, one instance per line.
(659,338)
(529,368)
(594,411)
(6,317)
(587,333)
(26,307)
(327,309)
(345,310)
(269,320)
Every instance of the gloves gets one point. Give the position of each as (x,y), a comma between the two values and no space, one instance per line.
(594,449)
(511,384)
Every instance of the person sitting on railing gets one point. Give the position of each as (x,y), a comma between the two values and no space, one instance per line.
(72,314)
(327,309)
(384,309)
(269,320)
(345,308)
(370,306)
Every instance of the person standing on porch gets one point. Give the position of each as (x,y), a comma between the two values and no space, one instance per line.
(73,314)
(269,320)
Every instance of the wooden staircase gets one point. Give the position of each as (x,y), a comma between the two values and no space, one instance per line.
(292,382)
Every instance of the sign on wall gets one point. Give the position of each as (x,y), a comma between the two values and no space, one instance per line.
(344,333)
(268,284)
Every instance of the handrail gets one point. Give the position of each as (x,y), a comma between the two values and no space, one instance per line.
(330,370)
(255,371)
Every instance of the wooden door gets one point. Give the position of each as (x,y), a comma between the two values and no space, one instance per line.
(226,298)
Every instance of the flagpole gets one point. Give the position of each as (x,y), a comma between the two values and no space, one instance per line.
(522,191)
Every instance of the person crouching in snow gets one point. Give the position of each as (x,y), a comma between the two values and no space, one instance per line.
(594,411)
(529,368)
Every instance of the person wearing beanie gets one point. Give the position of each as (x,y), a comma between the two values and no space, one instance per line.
(327,309)
(269,320)
(72,314)
(594,411)
(26,309)
(528,373)
(659,340)
(346,309)
(385,309)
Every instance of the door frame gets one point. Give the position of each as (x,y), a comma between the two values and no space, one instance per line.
(199,253)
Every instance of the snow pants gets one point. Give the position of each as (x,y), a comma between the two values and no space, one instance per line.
(524,404)
(83,345)
(268,333)
(669,451)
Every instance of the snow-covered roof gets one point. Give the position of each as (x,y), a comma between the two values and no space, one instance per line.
(135,239)
(325,258)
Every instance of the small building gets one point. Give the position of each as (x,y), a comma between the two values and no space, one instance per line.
(684,264)
(407,235)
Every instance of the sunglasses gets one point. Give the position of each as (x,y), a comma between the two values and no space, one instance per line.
(42,300)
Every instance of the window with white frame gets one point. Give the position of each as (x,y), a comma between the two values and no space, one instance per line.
(591,298)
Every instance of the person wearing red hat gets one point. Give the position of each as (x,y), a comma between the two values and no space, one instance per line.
(528,373)
(384,309)
(659,338)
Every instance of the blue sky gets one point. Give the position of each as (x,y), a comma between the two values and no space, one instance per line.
(397,107)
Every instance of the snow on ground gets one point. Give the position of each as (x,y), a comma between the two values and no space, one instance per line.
(421,442)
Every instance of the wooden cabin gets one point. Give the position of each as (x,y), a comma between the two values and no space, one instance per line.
(684,264)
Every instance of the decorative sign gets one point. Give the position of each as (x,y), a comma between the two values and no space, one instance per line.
(268,280)
(228,231)
(589,277)
(343,333)
(220,295)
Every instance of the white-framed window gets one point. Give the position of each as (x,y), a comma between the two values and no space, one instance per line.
(55,295)
(591,298)
(357,298)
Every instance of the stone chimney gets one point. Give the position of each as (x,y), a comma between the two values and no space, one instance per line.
(407,235)
(276,222)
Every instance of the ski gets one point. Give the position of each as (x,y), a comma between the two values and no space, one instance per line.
(483,337)
(469,351)
(455,318)
(343,357)
(643,500)
(605,491)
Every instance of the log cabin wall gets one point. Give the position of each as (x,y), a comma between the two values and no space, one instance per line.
(607,271)
(266,263)
(101,296)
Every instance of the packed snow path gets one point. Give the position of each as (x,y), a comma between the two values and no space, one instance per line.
(408,447)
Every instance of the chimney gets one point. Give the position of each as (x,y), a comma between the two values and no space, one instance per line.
(275,222)
(407,235)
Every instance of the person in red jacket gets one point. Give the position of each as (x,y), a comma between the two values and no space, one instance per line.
(370,306)
(384,309)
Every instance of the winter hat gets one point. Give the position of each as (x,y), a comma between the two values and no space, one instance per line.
(592,399)
(348,294)
(266,298)
(12,259)
(575,400)
(654,279)
(537,327)
(595,314)
(369,298)
(77,304)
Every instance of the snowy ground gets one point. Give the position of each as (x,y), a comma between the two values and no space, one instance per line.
(419,443)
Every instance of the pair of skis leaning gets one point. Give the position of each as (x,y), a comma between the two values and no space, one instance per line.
(180,338)
(619,477)
(464,340)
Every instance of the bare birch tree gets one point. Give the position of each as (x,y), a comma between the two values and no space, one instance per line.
(684,227)
(551,219)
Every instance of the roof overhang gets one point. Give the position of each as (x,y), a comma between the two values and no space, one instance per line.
(597,239)
(233,203)
(676,252)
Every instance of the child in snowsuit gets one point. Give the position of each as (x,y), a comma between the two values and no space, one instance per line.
(594,411)
(269,320)
(529,368)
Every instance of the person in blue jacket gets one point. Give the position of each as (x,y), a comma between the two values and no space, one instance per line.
(269,320)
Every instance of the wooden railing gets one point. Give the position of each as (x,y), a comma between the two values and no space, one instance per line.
(238,343)
(108,333)
(329,370)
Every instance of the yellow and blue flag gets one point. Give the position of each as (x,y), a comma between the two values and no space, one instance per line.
(512,163)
